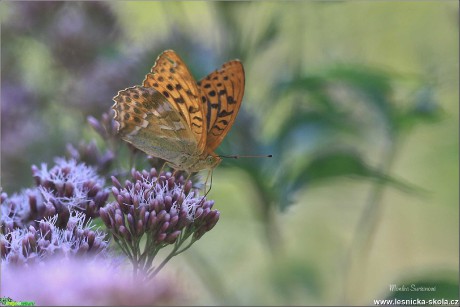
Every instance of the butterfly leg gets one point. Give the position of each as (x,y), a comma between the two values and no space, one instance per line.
(132,159)
(185,183)
(205,184)
(162,168)
(175,172)
(158,177)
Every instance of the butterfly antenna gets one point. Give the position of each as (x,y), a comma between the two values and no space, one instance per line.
(239,156)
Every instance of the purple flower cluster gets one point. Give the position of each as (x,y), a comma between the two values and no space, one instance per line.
(162,207)
(37,244)
(54,217)
(89,154)
(106,127)
(22,209)
(70,186)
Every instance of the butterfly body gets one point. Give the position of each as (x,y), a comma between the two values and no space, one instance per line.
(174,118)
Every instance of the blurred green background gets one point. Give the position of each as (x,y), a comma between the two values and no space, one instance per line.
(357,101)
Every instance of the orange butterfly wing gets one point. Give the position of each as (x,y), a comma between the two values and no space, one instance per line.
(171,77)
(221,95)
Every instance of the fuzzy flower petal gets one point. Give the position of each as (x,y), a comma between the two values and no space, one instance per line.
(36,245)
(71,186)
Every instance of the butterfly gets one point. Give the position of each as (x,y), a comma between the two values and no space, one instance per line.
(175,118)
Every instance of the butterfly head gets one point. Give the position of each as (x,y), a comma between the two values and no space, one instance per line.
(212,161)
(204,162)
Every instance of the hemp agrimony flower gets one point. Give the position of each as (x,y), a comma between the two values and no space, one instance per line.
(71,186)
(105,127)
(161,208)
(37,244)
(90,154)
(21,209)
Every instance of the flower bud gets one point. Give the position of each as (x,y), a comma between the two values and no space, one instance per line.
(160,237)
(146,216)
(171,183)
(84,247)
(127,198)
(100,198)
(91,238)
(98,244)
(210,225)
(188,187)
(33,204)
(32,230)
(198,213)
(135,174)
(50,210)
(131,224)
(125,233)
(168,202)
(139,227)
(105,217)
(119,220)
(93,122)
(93,188)
(120,199)
(116,183)
(173,221)
(128,185)
(91,209)
(164,227)
(172,237)
(147,188)
(59,185)
(152,221)
(35,173)
(69,189)
(135,202)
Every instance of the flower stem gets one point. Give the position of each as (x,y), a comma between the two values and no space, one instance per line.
(184,236)
(367,225)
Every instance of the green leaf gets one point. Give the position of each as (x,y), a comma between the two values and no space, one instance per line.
(332,165)
(374,85)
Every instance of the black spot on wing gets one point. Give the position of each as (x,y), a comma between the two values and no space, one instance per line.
(224,113)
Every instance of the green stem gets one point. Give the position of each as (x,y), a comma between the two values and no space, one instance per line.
(124,248)
(266,213)
(147,250)
(185,248)
(184,236)
(162,264)
(151,257)
(368,222)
